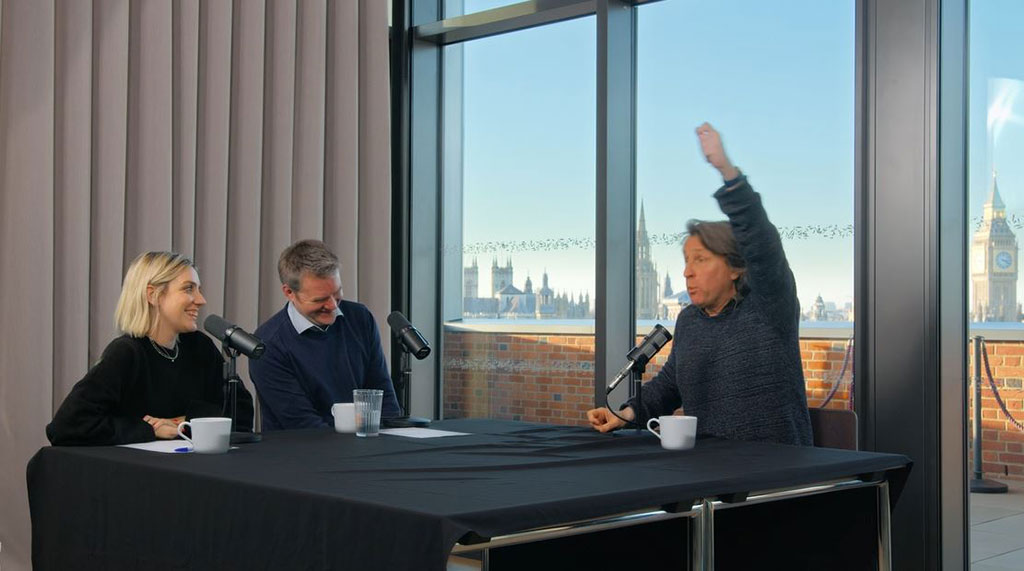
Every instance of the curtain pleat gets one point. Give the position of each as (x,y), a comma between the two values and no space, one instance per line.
(278,142)
(308,153)
(246,176)
(220,129)
(185,86)
(213,147)
(341,172)
(374,144)
(109,160)
(72,192)
(27,242)
(148,188)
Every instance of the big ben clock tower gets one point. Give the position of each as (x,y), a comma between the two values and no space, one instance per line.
(994,264)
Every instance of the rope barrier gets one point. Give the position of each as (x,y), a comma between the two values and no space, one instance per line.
(839,378)
(995,390)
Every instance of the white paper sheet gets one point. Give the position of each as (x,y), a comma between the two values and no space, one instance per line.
(420,432)
(162,446)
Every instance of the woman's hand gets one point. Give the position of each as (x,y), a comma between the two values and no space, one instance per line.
(602,419)
(164,428)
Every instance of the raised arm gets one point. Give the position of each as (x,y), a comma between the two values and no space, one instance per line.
(768,271)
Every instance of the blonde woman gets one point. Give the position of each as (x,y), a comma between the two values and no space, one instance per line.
(161,372)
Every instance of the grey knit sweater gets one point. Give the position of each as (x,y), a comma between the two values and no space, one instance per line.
(739,372)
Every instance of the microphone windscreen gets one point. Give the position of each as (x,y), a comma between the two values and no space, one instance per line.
(217,326)
(398,322)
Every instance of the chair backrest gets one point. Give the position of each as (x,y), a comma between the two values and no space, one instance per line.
(834,428)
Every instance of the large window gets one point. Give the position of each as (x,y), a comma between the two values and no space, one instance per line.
(520,152)
(778,81)
(996,148)
(995,291)
(519,157)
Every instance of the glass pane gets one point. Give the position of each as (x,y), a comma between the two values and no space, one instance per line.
(996,211)
(519,141)
(778,81)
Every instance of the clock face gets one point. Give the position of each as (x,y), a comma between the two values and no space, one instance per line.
(1004,260)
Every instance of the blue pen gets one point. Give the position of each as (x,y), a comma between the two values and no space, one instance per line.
(185,449)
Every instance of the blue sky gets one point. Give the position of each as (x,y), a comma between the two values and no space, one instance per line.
(781,90)
(996,52)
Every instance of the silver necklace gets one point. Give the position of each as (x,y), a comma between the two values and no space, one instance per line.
(163,352)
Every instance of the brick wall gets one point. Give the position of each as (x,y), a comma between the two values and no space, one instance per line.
(550,378)
(540,378)
(1002,443)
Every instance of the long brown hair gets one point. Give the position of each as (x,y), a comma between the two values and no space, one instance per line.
(718,238)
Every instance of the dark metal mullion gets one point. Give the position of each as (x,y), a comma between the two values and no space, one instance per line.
(400,149)
(422,209)
(952,295)
(614,306)
(502,20)
(509,18)
(863,173)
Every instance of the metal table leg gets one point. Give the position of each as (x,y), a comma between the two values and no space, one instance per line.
(884,528)
(707,525)
(697,539)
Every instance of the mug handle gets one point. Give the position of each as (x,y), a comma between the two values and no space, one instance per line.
(182,434)
(651,430)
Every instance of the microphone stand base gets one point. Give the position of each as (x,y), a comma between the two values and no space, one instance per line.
(245,437)
(405,422)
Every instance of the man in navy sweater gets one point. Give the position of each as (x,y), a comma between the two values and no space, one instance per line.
(319,347)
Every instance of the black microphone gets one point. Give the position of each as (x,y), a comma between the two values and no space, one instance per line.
(639,356)
(235,337)
(412,341)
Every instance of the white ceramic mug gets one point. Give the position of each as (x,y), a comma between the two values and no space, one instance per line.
(676,432)
(344,416)
(210,435)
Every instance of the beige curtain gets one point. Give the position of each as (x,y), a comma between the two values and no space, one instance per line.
(223,130)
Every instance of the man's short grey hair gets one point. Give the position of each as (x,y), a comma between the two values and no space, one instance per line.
(306,256)
(718,238)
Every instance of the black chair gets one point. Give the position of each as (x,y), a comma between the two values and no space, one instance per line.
(834,428)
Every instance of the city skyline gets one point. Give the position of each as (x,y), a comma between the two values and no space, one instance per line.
(827,309)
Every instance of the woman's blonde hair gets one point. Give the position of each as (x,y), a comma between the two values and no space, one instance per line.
(134,315)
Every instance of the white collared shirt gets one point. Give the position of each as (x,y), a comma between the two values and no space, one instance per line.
(302,323)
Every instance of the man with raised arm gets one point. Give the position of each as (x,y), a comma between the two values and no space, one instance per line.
(735,359)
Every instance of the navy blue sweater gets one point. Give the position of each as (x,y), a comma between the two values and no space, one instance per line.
(739,372)
(300,376)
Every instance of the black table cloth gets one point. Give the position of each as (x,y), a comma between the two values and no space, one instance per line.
(314,499)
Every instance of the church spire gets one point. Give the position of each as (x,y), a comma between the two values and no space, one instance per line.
(641,228)
(993,197)
(643,243)
(994,206)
